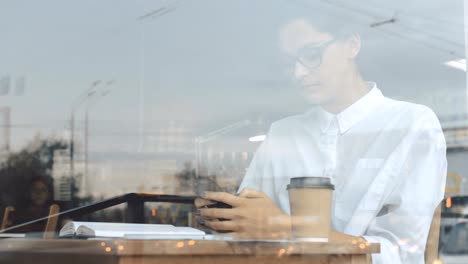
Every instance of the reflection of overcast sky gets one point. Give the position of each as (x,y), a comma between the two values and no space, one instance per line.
(209,61)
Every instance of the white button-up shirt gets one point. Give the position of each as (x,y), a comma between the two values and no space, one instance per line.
(386,158)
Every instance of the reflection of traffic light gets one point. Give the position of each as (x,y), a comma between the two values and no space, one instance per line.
(448,202)
(453,183)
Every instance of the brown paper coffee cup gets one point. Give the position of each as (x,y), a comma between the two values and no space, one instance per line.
(310,200)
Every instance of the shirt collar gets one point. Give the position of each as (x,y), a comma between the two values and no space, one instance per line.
(354,113)
(324,119)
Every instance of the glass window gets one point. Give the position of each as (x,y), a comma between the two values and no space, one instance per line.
(147,99)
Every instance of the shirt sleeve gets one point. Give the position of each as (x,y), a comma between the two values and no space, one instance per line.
(402,227)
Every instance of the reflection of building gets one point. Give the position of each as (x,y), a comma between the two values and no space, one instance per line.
(171,138)
(5,129)
(162,176)
(61,175)
(63,192)
(167,162)
(228,167)
(456,136)
(456,131)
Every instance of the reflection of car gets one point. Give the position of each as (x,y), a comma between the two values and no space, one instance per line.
(454,210)
(455,248)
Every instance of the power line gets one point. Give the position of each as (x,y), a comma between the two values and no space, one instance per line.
(422,43)
(362,11)
(388,32)
(413,15)
(432,35)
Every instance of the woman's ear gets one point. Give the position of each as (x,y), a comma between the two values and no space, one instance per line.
(354,46)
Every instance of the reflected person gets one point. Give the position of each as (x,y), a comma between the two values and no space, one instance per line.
(41,196)
(386,158)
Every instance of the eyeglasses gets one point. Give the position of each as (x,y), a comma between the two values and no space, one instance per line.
(311,55)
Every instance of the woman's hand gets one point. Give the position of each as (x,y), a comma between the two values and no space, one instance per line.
(253,215)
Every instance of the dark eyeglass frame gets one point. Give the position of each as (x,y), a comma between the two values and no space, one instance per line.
(301,55)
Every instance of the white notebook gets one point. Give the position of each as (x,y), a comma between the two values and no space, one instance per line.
(124,230)
(12,235)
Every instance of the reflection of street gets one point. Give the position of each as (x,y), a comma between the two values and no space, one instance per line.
(454,248)
(453,244)
(456,137)
(172,214)
(457,176)
(456,203)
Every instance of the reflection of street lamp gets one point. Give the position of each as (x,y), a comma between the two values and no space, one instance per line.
(96,96)
(78,101)
(150,15)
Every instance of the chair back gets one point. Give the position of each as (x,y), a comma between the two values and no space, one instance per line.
(6,221)
(51,225)
(432,245)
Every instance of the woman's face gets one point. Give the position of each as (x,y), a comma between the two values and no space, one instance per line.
(40,194)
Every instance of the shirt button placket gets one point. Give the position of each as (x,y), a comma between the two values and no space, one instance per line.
(330,138)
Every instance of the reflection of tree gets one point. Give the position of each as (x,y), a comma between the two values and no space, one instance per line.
(19,168)
(186,179)
(189,182)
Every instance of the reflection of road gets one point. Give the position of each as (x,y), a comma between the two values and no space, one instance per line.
(453,212)
(141,99)
(456,137)
(455,131)
(455,248)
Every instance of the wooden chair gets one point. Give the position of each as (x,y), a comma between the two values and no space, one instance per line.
(6,221)
(50,226)
(432,245)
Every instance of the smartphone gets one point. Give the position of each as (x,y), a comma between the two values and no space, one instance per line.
(219,205)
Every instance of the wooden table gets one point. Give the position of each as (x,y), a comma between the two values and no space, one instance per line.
(40,251)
